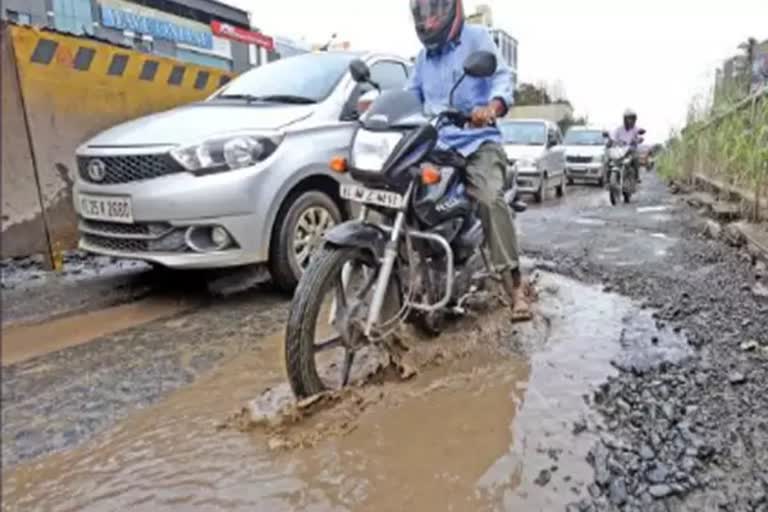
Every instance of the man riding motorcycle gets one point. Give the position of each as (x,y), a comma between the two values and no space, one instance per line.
(629,133)
(447,42)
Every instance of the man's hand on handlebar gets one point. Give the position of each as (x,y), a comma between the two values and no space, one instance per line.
(486,116)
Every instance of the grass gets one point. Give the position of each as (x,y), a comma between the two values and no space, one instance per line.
(726,141)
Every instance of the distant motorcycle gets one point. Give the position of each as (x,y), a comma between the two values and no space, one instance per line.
(622,180)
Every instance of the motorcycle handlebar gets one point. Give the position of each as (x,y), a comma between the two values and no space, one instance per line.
(457,118)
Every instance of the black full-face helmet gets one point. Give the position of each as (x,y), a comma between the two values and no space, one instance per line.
(437,21)
(630,118)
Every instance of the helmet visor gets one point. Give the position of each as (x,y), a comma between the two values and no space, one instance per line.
(432,16)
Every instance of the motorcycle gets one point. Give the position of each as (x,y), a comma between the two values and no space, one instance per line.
(422,259)
(622,180)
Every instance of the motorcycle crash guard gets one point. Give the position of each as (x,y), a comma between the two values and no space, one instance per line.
(362,235)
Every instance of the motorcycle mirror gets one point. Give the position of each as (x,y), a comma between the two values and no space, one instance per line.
(360,71)
(641,131)
(640,140)
(480,64)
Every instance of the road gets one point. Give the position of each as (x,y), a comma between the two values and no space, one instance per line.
(636,387)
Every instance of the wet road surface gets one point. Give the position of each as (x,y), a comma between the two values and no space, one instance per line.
(129,420)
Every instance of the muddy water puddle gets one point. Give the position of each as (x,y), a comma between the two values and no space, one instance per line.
(24,342)
(487,424)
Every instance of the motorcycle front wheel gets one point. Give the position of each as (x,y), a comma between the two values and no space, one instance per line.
(324,334)
(613,188)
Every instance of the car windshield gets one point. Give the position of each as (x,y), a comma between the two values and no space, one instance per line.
(307,78)
(584,138)
(528,134)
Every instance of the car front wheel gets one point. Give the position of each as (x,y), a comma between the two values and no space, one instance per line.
(540,195)
(305,219)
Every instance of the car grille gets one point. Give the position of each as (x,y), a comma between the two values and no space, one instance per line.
(117,244)
(134,238)
(115,228)
(579,159)
(125,169)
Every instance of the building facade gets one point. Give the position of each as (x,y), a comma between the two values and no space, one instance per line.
(504,41)
(737,75)
(204,32)
(287,47)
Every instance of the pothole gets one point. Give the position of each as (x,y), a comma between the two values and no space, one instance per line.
(499,421)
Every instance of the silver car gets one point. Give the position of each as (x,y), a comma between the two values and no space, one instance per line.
(535,147)
(585,155)
(241,178)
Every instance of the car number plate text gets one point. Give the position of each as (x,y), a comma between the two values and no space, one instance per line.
(106,208)
(370,196)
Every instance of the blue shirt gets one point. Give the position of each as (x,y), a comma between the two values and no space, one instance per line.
(435,73)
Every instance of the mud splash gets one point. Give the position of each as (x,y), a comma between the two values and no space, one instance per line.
(492,429)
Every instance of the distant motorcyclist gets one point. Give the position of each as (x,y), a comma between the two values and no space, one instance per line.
(629,133)
(447,42)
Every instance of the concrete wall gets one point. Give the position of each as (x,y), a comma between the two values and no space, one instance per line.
(69,95)
(555,112)
(23,230)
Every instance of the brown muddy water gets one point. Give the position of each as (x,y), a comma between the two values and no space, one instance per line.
(485,425)
(24,342)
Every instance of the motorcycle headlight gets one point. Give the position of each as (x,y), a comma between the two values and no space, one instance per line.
(371,150)
(226,153)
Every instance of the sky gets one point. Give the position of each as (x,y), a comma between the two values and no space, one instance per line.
(654,56)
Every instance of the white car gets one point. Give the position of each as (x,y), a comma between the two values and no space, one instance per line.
(585,154)
(534,146)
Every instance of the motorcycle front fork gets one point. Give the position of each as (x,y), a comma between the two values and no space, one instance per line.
(385,272)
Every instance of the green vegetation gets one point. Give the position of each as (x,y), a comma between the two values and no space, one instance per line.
(532,94)
(726,142)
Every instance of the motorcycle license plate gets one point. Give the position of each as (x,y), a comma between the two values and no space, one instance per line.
(365,195)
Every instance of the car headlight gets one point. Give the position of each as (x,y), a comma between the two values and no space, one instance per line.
(371,150)
(226,153)
(526,163)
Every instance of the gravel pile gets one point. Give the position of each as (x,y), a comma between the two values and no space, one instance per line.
(691,434)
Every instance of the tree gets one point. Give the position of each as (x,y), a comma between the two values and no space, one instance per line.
(529,94)
(556,91)
(569,121)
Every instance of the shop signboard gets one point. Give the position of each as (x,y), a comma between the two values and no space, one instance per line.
(142,20)
(242,35)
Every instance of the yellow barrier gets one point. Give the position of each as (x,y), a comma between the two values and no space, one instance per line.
(73,88)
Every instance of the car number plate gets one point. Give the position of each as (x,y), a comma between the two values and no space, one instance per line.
(106,208)
(370,196)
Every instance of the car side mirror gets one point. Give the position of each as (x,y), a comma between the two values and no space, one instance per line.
(364,102)
(480,64)
(551,142)
(360,71)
